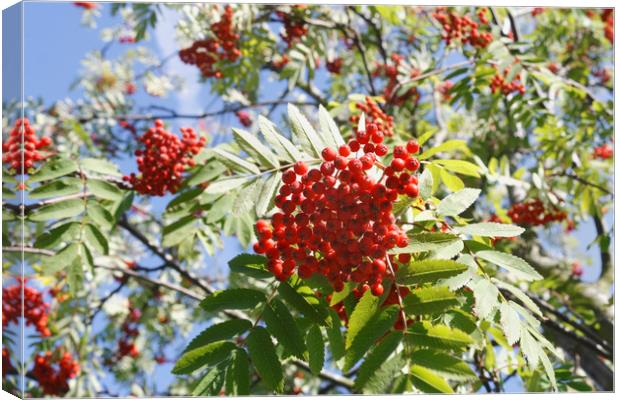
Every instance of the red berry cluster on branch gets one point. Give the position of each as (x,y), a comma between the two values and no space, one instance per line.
(576,269)
(604,151)
(294,27)
(87,5)
(373,116)
(35,308)
(462,28)
(7,366)
(129,329)
(533,212)
(17,156)
(499,84)
(334,65)
(244,118)
(164,159)
(537,10)
(337,220)
(390,71)
(444,89)
(607,16)
(205,53)
(54,380)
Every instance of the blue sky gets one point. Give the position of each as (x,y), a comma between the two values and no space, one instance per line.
(56,42)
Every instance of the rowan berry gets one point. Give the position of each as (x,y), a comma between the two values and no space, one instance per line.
(329,154)
(300,168)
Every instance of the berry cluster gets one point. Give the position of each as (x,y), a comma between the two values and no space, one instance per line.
(205,53)
(373,116)
(337,220)
(390,71)
(294,27)
(21,158)
(603,74)
(444,89)
(129,328)
(537,10)
(54,381)
(498,83)
(244,118)
(463,28)
(533,212)
(334,65)
(604,152)
(35,308)
(87,5)
(576,269)
(607,16)
(7,367)
(280,63)
(165,157)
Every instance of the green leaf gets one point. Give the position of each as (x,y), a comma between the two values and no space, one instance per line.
(268,193)
(99,215)
(241,373)
(100,166)
(263,355)
(427,381)
(176,232)
(250,264)
(75,276)
(334,336)
(519,294)
(233,299)
(63,209)
(222,331)
(255,149)
(210,384)
(55,188)
(426,271)
(95,238)
(485,294)
(285,149)
(235,162)
(206,173)
(329,129)
(426,184)
(54,169)
(104,190)
(305,132)
(421,242)
(448,146)
(247,197)
(443,364)
(383,380)
(208,355)
(456,203)
(281,325)
(515,265)
(511,323)
(377,356)
(301,302)
(226,185)
(364,311)
(316,349)
(460,167)
(429,300)
(490,229)
(437,336)
(452,182)
(369,334)
(61,259)
(55,236)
